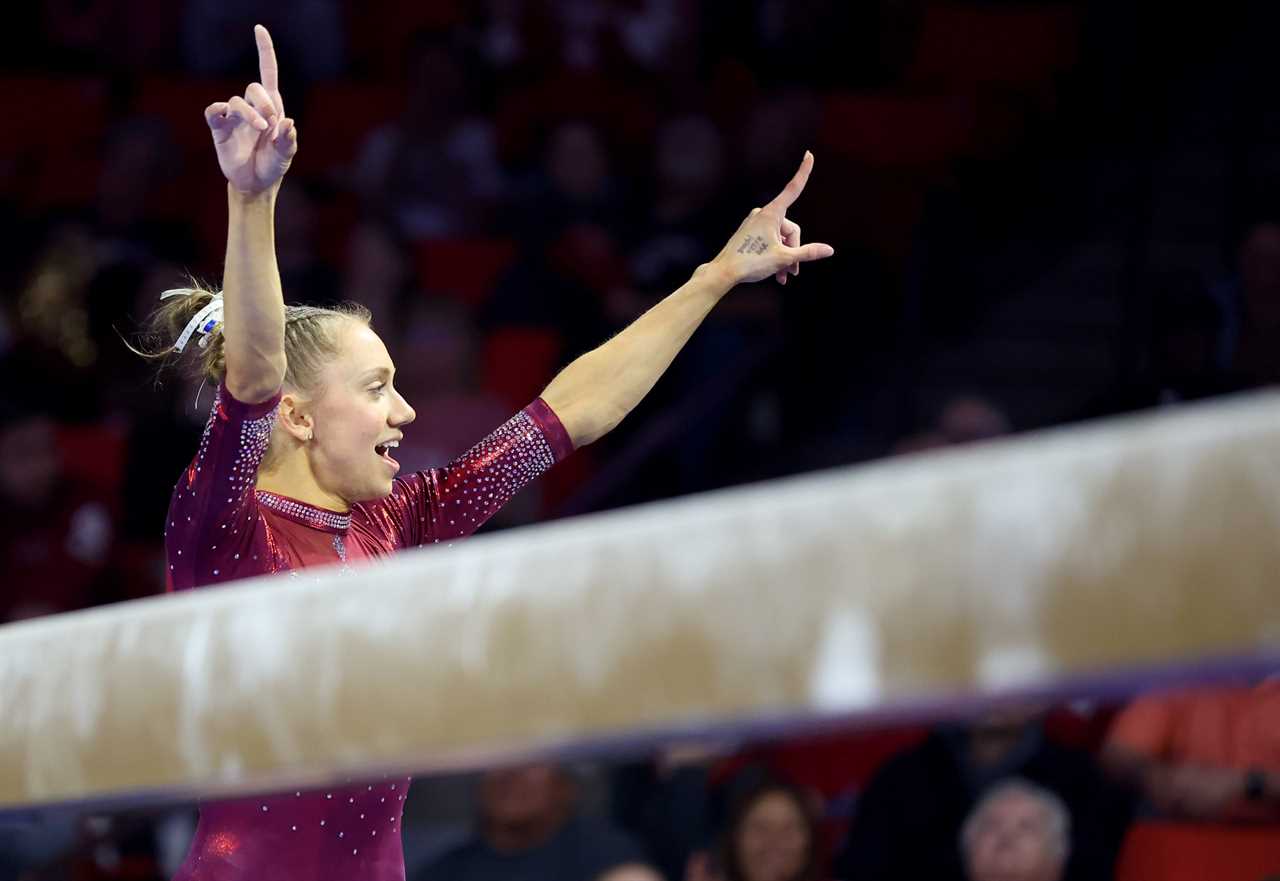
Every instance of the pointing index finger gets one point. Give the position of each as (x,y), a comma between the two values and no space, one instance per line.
(268,72)
(795,186)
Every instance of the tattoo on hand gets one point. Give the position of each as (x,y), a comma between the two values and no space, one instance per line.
(753,245)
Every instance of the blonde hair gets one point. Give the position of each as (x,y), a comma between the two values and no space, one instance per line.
(310,337)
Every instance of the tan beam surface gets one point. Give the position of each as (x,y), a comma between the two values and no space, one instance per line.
(1139,541)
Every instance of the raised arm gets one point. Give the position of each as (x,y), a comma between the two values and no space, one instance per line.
(595,392)
(255,143)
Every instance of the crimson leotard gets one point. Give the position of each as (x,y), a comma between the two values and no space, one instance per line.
(220,528)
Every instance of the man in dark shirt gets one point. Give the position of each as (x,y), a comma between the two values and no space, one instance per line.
(529,829)
(907,823)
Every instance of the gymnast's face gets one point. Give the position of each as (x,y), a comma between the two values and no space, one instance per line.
(356,415)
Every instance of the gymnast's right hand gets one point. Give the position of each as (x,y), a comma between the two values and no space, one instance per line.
(254,139)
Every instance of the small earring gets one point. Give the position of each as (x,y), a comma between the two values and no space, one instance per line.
(308,434)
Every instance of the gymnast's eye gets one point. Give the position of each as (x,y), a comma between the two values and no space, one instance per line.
(378,390)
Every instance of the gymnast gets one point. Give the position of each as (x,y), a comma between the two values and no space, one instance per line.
(297,465)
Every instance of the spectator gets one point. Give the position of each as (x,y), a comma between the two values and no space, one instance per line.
(117,246)
(575,185)
(530,830)
(1210,754)
(780,123)
(786,42)
(668,802)
(569,219)
(379,272)
(771,835)
(437,348)
(1017,832)
(32,843)
(584,34)
(1189,342)
(436,169)
(686,210)
(140,166)
(305,274)
(907,822)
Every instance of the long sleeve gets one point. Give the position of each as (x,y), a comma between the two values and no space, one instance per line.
(454,501)
(212,511)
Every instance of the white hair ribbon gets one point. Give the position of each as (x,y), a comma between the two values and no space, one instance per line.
(204,322)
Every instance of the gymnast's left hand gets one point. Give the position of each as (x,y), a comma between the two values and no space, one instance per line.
(768,243)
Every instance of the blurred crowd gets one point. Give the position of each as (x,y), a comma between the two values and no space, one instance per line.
(504,187)
(507,183)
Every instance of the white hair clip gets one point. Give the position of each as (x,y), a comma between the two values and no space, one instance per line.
(203,322)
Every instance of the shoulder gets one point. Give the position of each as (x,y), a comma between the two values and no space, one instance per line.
(926,758)
(251,399)
(928,766)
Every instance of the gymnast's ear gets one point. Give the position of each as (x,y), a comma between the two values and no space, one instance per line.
(295,417)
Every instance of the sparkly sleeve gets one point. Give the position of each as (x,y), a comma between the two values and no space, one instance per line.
(212,508)
(454,501)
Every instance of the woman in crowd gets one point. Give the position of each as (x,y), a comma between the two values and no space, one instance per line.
(772,835)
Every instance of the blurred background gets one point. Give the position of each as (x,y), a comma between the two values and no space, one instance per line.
(1043,212)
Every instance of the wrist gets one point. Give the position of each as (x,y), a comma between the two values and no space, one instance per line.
(717,278)
(267,195)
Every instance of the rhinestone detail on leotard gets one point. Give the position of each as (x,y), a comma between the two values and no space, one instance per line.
(307,515)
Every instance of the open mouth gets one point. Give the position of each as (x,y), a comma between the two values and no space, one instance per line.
(383,451)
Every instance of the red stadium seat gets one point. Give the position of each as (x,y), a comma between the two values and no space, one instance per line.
(463,269)
(1168,851)
(518,362)
(964,46)
(828,763)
